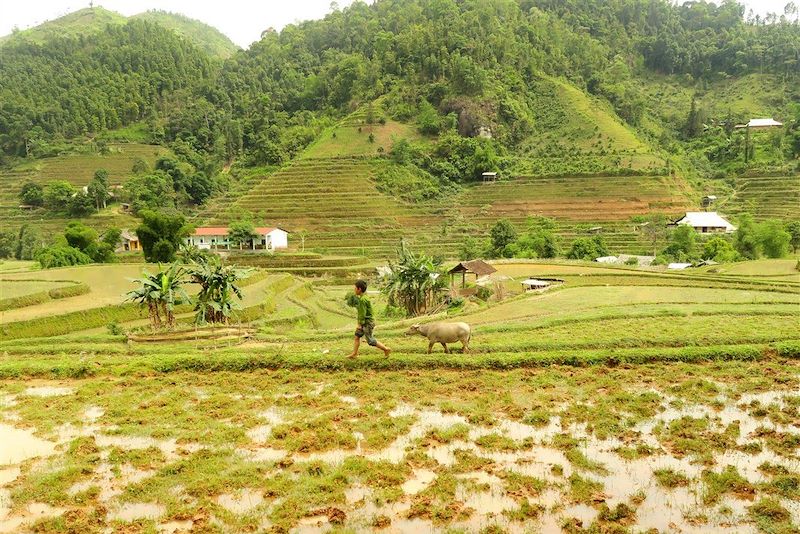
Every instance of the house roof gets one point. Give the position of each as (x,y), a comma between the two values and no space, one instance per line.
(128,235)
(707,219)
(223,230)
(760,123)
(478,267)
(678,266)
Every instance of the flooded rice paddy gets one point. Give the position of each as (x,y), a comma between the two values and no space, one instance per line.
(717,463)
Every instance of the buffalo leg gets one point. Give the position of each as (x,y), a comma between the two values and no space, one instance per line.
(445,348)
(430,347)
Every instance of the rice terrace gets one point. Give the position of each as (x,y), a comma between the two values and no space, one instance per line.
(407,266)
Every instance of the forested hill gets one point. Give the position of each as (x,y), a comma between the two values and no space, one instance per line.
(521,70)
(93,20)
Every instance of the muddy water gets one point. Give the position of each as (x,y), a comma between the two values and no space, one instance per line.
(18,445)
(241,502)
(485,492)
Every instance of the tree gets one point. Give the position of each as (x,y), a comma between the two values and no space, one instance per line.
(216,300)
(655,230)
(28,243)
(502,234)
(683,242)
(302,234)
(85,239)
(583,248)
(8,243)
(61,256)
(746,239)
(80,204)
(469,249)
(57,195)
(719,250)
(241,233)
(414,283)
(98,188)
(32,194)
(160,293)
(161,235)
(140,166)
(774,239)
(793,228)
(149,192)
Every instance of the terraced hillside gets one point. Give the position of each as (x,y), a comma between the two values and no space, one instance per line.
(765,197)
(577,203)
(77,169)
(335,201)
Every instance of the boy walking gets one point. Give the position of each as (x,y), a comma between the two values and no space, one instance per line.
(366,322)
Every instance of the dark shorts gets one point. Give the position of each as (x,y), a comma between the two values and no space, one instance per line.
(367,333)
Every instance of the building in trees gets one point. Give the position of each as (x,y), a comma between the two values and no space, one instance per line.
(129,241)
(760,124)
(216,237)
(705,222)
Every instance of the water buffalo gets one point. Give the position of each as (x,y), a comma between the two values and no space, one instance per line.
(443,333)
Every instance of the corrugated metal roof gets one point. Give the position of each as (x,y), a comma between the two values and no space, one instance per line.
(222,230)
(705,219)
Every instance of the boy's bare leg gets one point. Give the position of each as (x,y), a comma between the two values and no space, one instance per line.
(386,350)
(356,344)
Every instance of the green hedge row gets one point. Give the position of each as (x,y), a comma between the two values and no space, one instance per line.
(40,297)
(233,360)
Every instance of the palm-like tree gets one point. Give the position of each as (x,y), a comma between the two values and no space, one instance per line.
(414,283)
(216,301)
(160,293)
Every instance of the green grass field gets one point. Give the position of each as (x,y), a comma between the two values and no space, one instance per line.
(623,400)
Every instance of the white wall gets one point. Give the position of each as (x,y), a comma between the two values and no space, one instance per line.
(278,238)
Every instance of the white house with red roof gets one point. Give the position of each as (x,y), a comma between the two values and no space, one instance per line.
(214,237)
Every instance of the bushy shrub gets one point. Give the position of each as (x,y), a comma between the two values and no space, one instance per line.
(61,256)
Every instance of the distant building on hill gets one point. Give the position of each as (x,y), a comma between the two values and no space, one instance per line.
(706,222)
(760,124)
(215,237)
(129,242)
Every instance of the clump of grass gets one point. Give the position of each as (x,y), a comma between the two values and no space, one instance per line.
(728,481)
(537,418)
(641,450)
(668,478)
(693,436)
(525,512)
(770,516)
(459,432)
(497,442)
(521,486)
(584,490)
(569,446)
(467,461)
(621,514)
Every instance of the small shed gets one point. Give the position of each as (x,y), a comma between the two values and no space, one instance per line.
(607,259)
(532,284)
(489,176)
(27,207)
(479,268)
(708,200)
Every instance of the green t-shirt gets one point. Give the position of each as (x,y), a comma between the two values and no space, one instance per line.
(364,308)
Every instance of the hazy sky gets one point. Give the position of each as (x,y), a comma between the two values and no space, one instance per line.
(241,20)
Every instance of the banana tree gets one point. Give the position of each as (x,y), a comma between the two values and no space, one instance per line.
(160,293)
(414,282)
(217,299)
